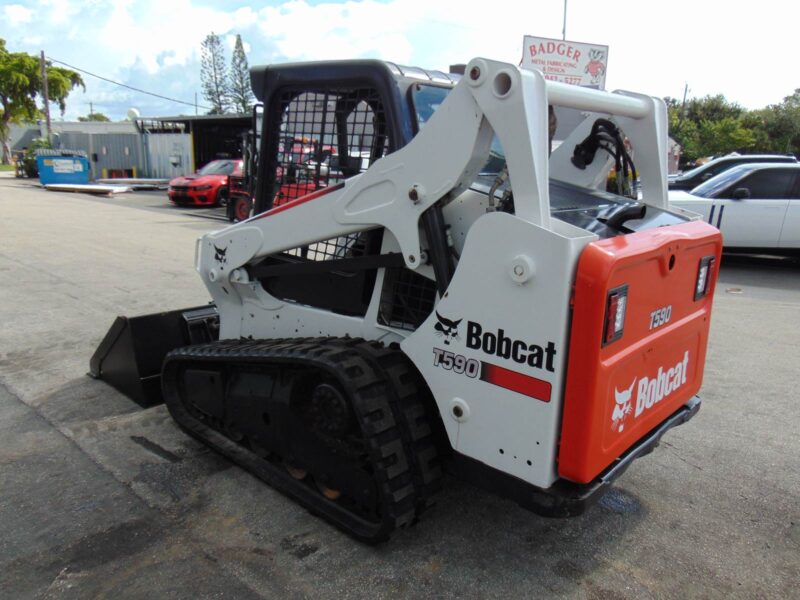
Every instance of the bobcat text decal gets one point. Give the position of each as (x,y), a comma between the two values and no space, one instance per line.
(497,344)
(649,392)
(654,390)
(500,345)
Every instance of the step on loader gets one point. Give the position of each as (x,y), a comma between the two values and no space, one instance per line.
(441,292)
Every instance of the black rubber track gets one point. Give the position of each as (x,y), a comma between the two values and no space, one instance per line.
(385,393)
(408,399)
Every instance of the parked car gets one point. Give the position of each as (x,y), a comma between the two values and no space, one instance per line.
(756,206)
(207,187)
(693,178)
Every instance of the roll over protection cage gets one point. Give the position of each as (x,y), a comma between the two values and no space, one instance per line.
(642,118)
(444,158)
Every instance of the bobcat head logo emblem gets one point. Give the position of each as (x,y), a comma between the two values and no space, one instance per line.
(446,328)
(219,255)
(623,407)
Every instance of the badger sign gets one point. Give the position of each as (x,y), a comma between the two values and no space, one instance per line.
(569,62)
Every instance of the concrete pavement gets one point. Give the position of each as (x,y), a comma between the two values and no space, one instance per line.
(99,498)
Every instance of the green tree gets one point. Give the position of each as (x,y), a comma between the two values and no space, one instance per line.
(712,108)
(95,116)
(754,121)
(241,95)
(21,84)
(214,74)
(712,126)
(683,130)
(689,139)
(782,124)
(724,136)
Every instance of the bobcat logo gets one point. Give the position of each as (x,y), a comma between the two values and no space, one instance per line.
(446,328)
(219,255)
(623,407)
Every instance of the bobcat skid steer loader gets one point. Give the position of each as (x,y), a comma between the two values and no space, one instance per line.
(437,290)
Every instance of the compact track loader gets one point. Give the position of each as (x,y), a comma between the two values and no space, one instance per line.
(448,295)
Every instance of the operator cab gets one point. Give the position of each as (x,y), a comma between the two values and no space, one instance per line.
(356,112)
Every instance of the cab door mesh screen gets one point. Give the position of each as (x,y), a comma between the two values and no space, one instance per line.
(327,136)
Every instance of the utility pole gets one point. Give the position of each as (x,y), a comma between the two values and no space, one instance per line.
(46,96)
(195,104)
(683,106)
(91,109)
(564,29)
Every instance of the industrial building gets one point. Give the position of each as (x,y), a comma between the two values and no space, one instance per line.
(163,147)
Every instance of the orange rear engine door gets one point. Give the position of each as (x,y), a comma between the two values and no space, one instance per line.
(620,389)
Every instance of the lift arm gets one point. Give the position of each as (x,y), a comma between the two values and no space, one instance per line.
(442,159)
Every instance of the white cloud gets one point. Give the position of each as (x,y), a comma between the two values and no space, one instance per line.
(337,31)
(427,34)
(16,14)
(156,33)
(244,17)
(155,44)
(60,11)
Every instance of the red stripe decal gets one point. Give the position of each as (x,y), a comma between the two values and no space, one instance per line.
(301,200)
(516,382)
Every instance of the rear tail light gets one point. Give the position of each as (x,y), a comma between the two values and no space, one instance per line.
(705,274)
(616,303)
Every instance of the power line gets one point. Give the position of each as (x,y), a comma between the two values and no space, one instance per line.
(130,87)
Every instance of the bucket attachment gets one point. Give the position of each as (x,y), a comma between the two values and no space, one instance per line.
(130,356)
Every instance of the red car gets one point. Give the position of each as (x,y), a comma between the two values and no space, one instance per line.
(207,187)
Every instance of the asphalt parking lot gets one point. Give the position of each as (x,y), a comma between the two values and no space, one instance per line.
(102,499)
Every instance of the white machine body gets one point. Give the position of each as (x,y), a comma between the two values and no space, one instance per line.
(504,321)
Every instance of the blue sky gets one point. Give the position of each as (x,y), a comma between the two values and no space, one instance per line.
(747,54)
